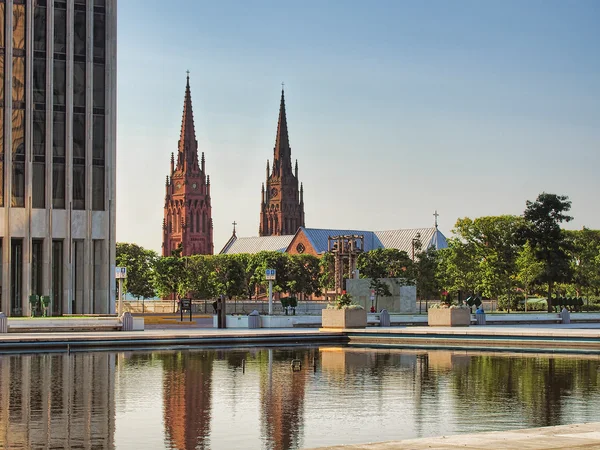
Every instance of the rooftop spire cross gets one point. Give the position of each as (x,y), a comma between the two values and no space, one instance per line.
(436,215)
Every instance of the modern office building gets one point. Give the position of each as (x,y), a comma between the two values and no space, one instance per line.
(57,154)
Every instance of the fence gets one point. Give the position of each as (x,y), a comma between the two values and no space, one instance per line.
(233,307)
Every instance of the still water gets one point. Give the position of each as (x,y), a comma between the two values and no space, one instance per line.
(252,398)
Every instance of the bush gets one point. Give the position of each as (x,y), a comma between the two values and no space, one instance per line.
(516,302)
(537,305)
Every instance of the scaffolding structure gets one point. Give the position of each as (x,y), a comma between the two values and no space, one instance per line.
(345,250)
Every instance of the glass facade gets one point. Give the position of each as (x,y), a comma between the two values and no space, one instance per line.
(99,96)
(2,52)
(57,277)
(16,277)
(55,156)
(18,105)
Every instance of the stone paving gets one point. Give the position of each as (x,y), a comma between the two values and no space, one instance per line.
(560,437)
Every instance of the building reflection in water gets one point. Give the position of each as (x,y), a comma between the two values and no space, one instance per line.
(57,401)
(187,390)
(282,392)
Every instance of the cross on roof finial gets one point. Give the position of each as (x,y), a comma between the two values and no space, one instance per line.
(436,215)
(282,85)
(234,224)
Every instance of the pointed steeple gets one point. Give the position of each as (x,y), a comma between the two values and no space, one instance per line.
(282,152)
(187,145)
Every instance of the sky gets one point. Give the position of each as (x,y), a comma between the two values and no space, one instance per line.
(395,109)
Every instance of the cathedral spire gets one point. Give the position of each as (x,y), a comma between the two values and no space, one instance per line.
(187,145)
(282,152)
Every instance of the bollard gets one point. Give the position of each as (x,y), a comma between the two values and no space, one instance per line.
(384,318)
(565,316)
(127,321)
(3,323)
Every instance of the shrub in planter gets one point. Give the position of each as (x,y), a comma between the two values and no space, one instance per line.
(343,313)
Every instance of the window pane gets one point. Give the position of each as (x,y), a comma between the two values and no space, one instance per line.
(79,84)
(58,186)
(39,132)
(18,184)
(60,82)
(39,81)
(98,85)
(98,138)
(58,135)
(79,26)
(2,158)
(98,188)
(78,187)
(18,94)
(18,132)
(38,185)
(1,77)
(78,135)
(99,43)
(19,27)
(39,29)
(60,31)
(2,22)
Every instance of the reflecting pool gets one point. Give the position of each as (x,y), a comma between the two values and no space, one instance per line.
(283,398)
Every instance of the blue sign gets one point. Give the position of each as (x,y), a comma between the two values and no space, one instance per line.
(270,274)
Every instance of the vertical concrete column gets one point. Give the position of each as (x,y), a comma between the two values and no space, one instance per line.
(88,250)
(67,249)
(8,52)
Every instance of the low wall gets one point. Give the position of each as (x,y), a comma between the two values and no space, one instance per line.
(403,299)
(233,307)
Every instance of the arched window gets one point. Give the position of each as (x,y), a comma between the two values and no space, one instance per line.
(191,222)
(204,222)
(197,222)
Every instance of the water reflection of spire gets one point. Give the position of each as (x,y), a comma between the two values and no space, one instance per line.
(187,393)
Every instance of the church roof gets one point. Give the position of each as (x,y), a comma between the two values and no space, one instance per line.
(318,238)
(257,244)
(399,239)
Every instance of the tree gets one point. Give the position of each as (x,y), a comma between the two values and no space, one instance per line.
(458,266)
(227,275)
(585,260)
(384,263)
(171,278)
(529,269)
(495,249)
(264,260)
(140,266)
(426,269)
(327,272)
(198,280)
(547,240)
(303,273)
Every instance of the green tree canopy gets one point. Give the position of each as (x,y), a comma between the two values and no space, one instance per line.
(140,268)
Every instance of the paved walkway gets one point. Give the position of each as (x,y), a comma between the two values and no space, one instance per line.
(563,437)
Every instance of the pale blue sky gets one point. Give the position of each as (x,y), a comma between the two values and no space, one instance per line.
(395,108)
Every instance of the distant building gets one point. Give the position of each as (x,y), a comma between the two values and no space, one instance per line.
(57,154)
(282,202)
(188,211)
(314,241)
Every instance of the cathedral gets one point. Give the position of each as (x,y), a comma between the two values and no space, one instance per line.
(282,203)
(187,224)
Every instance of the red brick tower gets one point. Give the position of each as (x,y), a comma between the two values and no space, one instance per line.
(282,204)
(188,219)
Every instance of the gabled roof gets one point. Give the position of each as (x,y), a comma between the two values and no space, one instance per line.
(318,238)
(399,239)
(257,244)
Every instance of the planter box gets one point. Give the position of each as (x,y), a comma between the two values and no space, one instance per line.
(447,317)
(344,318)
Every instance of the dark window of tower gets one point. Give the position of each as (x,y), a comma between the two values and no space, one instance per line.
(192,222)
(197,222)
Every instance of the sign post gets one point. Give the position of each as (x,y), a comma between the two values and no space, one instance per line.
(120,274)
(372,299)
(270,277)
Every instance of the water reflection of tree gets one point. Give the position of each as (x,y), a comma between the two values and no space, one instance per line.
(187,384)
(282,396)
(533,387)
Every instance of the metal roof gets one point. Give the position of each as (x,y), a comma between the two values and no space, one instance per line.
(257,244)
(318,237)
(400,239)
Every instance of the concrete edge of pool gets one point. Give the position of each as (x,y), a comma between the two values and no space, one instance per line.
(560,339)
(584,435)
